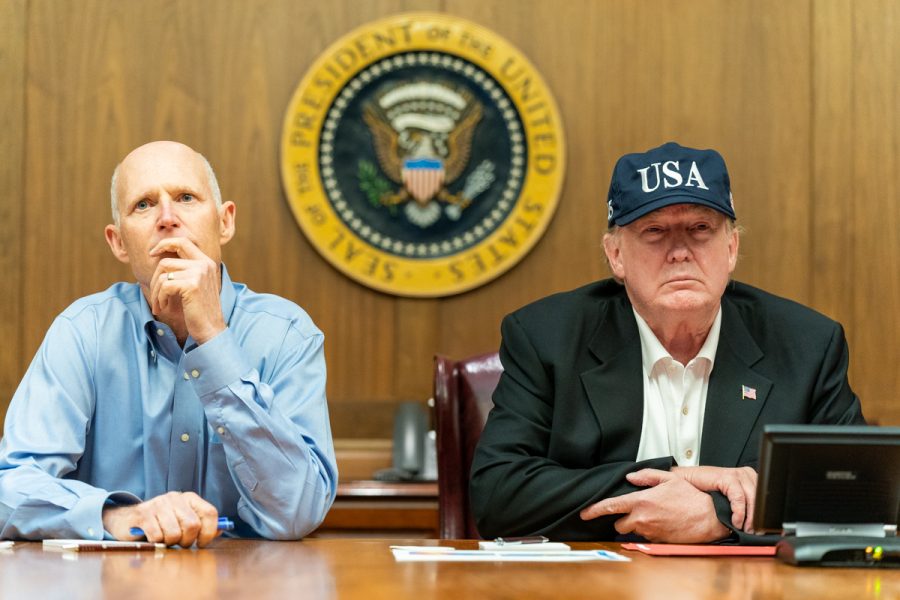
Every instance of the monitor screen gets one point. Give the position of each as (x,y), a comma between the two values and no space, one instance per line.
(827,474)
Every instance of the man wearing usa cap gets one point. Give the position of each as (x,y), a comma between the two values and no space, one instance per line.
(634,405)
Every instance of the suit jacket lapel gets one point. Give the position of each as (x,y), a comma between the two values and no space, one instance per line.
(730,414)
(615,387)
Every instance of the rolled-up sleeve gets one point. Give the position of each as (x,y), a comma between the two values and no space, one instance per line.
(274,428)
(44,437)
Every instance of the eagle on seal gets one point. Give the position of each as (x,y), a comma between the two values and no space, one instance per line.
(422,134)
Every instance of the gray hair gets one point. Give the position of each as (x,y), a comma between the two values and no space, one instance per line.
(210,176)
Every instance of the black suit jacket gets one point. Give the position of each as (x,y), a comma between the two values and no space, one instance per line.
(568,409)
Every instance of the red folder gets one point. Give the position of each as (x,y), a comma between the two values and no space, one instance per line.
(700,550)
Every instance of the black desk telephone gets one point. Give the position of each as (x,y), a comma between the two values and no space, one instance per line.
(413,450)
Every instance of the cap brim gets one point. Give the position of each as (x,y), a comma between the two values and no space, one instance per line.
(668,201)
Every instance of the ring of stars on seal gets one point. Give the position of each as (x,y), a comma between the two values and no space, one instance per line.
(459,241)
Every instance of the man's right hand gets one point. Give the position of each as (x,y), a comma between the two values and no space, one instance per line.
(673,512)
(738,485)
(174,518)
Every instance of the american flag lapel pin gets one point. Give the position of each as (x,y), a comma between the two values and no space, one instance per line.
(748,393)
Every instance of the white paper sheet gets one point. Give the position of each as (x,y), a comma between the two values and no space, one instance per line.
(447,554)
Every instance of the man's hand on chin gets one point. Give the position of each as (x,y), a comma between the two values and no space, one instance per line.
(189,284)
(673,511)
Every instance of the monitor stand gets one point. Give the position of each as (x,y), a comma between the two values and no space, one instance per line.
(840,551)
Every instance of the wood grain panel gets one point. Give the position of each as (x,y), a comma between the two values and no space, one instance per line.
(417,330)
(832,143)
(875,241)
(12,120)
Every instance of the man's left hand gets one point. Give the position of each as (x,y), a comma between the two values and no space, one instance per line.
(190,283)
(673,512)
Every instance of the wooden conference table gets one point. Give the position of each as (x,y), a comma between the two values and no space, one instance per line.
(358,568)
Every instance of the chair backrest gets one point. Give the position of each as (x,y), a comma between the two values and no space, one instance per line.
(462,400)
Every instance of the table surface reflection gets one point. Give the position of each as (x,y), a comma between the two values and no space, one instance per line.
(360,568)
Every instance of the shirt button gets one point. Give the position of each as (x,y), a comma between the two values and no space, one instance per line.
(684,410)
(220,430)
(687,453)
(195,373)
(90,531)
(186,376)
(185,437)
(160,332)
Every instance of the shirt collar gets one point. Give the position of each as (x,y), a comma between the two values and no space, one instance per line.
(708,350)
(652,350)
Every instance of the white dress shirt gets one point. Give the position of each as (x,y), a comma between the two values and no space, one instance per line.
(674,396)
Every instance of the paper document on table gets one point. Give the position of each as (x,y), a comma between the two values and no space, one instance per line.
(542,547)
(99,545)
(448,554)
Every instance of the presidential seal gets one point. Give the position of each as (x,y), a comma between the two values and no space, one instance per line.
(422,155)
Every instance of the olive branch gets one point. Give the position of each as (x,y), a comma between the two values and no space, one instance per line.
(373,185)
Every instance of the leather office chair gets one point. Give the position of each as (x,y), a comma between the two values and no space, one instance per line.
(462,400)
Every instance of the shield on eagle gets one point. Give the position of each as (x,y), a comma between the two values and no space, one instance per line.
(423,177)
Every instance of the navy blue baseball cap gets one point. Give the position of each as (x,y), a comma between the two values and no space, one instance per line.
(671,174)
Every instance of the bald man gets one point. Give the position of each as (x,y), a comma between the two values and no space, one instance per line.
(170,402)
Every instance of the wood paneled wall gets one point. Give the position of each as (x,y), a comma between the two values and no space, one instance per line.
(800,97)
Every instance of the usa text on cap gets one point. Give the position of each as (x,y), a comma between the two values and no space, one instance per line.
(670,174)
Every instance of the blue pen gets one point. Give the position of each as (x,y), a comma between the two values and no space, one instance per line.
(225,524)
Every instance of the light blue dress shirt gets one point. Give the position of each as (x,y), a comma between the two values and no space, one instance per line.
(113,410)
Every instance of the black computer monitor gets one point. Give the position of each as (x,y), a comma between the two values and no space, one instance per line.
(827,474)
